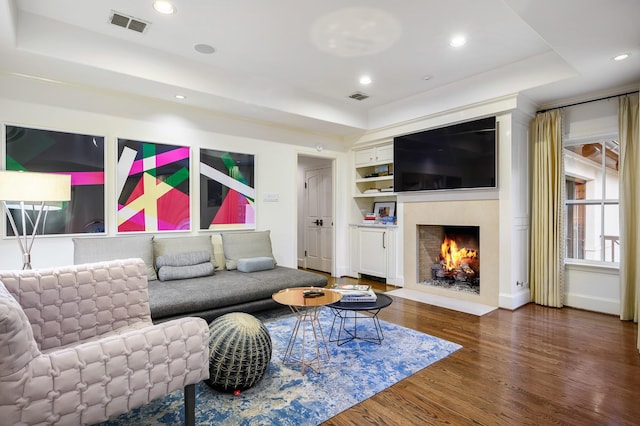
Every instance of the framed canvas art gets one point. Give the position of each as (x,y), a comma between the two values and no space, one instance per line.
(227,192)
(384,209)
(79,155)
(152,187)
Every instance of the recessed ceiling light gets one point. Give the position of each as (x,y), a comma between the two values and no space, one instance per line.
(621,57)
(181,97)
(204,49)
(458,41)
(365,79)
(164,6)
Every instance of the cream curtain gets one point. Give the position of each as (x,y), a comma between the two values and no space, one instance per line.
(546,276)
(629,172)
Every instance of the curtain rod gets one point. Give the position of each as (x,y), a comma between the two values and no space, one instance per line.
(586,102)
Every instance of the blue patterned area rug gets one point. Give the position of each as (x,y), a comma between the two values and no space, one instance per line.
(356,371)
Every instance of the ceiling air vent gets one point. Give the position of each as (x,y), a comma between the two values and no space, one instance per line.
(358,96)
(129,22)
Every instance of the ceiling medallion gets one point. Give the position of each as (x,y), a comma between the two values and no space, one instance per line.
(355,31)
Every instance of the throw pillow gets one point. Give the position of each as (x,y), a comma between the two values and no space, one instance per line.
(183,259)
(218,251)
(254,264)
(167,273)
(177,245)
(99,249)
(240,245)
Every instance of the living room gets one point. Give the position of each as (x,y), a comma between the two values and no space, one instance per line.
(41,89)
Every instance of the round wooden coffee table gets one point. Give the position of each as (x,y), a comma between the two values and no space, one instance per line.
(306,310)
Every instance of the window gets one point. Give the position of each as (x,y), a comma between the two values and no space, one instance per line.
(591,179)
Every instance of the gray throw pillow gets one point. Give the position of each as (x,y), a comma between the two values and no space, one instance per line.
(99,249)
(254,264)
(167,273)
(176,245)
(183,259)
(241,245)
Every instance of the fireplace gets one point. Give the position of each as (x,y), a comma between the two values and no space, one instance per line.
(449,257)
(482,215)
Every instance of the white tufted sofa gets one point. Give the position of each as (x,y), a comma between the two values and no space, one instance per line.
(77,345)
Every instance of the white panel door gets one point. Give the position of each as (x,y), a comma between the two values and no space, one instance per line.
(319,219)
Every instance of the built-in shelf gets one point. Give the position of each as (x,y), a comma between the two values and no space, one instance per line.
(375,194)
(373,246)
(374,170)
(375,179)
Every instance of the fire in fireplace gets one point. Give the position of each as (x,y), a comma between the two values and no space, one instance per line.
(461,264)
(448,256)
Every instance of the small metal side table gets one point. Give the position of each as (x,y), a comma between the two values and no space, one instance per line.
(307,311)
(344,311)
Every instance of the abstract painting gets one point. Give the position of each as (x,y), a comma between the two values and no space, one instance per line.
(81,156)
(227,192)
(152,187)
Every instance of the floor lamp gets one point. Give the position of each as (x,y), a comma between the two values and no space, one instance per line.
(29,191)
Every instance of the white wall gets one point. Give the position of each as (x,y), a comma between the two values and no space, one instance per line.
(32,103)
(594,288)
(514,204)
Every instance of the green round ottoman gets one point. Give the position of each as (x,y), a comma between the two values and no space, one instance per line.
(239,352)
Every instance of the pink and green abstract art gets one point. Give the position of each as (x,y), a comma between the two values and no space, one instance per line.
(81,156)
(153,187)
(227,193)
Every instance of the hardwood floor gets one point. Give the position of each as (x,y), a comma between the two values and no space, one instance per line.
(532,366)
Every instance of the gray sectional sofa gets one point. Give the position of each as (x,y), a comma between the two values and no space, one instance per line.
(239,274)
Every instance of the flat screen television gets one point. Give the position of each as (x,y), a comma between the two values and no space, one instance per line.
(462,156)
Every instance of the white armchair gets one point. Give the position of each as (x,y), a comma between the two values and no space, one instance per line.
(77,345)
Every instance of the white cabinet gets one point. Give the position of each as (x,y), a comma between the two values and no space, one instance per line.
(374,171)
(364,156)
(384,153)
(374,155)
(373,251)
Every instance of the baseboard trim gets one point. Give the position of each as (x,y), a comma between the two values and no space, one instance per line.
(514,301)
(590,303)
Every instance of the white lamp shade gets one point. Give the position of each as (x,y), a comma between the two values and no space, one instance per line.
(31,186)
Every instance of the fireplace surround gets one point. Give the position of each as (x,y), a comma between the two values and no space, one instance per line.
(482,215)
